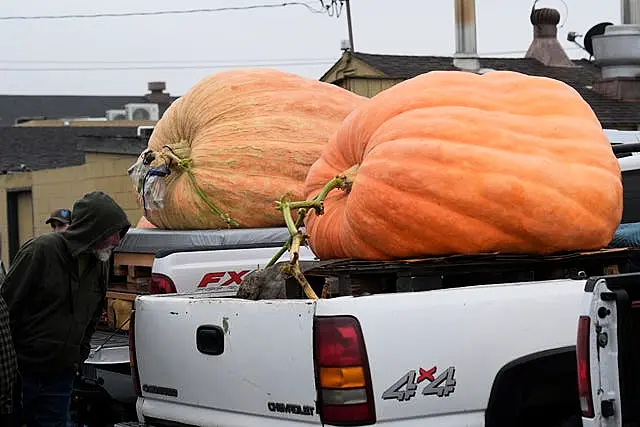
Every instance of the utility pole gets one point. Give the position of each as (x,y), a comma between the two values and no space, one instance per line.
(351,46)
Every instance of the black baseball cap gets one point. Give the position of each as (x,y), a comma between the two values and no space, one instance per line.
(60,215)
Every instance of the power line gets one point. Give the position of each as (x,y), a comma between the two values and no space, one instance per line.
(516,52)
(168,67)
(158,64)
(163,12)
(334,8)
(168,61)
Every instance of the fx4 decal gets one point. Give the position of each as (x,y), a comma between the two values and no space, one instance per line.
(235,277)
(405,388)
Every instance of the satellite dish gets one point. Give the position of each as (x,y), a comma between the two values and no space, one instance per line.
(596,30)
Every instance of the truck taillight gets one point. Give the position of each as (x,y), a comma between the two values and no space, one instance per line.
(343,380)
(584,368)
(161,284)
(133,362)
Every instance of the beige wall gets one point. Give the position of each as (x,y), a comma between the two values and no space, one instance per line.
(59,188)
(368,87)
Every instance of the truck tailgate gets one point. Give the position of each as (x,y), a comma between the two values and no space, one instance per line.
(609,351)
(225,361)
(434,355)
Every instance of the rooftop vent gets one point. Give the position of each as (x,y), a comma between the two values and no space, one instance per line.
(545,46)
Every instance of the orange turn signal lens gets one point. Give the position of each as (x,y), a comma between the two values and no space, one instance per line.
(351,377)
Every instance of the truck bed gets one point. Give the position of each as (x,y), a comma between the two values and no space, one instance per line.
(109,348)
(424,323)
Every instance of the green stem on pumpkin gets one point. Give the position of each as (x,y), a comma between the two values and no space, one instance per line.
(294,269)
(343,181)
(224,216)
(185,165)
(288,219)
(277,256)
(301,213)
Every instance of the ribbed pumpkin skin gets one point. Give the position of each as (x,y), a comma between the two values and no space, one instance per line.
(458,163)
(252,135)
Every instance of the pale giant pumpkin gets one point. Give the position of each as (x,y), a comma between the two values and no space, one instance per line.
(459,163)
(250,136)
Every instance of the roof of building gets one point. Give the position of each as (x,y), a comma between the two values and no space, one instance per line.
(581,78)
(13,107)
(39,148)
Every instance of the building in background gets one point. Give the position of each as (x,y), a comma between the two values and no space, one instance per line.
(56,148)
(45,167)
(16,109)
(615,98)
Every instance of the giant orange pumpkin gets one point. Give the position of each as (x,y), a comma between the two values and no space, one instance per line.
(248,137)
(144,223)
(459,163)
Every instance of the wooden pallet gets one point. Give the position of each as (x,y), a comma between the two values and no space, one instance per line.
(131,275)
(133,271)
(356,277)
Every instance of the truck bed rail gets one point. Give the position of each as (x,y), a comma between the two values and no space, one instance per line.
(359,276)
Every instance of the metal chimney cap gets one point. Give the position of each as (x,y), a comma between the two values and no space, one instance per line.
(156,86)
(624,29)
(545,16)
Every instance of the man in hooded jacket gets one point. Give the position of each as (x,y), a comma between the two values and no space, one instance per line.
(55,291)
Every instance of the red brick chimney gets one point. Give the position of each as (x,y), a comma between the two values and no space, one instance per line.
(545,46)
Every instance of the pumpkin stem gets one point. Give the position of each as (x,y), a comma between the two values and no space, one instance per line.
(297,238)
(185,166)
(293,268)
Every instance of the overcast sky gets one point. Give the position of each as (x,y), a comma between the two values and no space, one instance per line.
(291,38)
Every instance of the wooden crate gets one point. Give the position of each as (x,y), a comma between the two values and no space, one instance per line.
(119,305)
(132,272)
(130,278)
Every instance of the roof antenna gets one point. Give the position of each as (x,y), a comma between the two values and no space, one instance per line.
(596,30)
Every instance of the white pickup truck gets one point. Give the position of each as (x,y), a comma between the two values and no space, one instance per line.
(215,261)
(456,341)
(453,341)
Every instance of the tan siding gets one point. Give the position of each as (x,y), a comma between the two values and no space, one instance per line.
(348,66)
(59,188)
(369,87)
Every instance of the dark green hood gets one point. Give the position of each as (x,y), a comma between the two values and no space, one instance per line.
(94,218)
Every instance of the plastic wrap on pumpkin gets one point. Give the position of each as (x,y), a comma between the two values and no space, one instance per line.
(234,144)
(459,163)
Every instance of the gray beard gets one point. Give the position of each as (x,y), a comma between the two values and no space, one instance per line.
(103,255)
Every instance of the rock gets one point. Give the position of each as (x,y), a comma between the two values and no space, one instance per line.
(268,283)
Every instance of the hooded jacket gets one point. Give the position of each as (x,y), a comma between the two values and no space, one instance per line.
(56,287)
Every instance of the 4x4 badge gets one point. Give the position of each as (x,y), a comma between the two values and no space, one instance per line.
(406,387)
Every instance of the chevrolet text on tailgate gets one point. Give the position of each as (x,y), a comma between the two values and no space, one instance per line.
(486,340)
